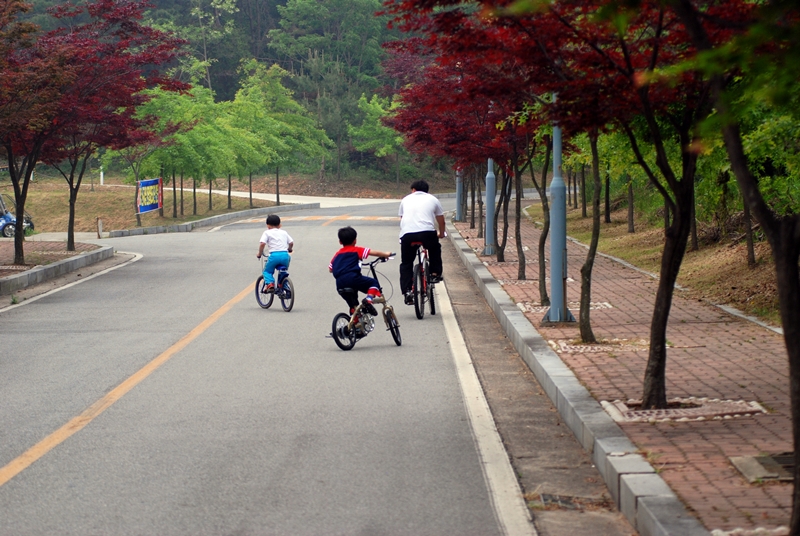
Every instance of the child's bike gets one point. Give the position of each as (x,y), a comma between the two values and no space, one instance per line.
(284,288)
(349,328)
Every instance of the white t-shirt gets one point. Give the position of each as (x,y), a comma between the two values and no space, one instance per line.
(418,211)
(276,240)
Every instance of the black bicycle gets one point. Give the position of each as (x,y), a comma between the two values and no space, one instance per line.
(347,329)
(422,284)
(284,288)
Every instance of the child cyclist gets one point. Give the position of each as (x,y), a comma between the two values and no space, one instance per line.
(279,244)
(346,268)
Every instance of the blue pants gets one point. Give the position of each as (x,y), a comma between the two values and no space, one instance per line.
(276,258)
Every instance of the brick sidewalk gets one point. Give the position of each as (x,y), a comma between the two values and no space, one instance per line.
(711,354)
(37,253)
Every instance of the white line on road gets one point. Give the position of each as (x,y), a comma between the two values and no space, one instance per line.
(504,491)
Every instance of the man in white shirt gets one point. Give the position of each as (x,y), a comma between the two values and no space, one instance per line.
(421,220)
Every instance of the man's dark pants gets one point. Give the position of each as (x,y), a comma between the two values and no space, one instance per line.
(430,240)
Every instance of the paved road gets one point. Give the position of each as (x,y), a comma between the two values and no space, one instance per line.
(209,415)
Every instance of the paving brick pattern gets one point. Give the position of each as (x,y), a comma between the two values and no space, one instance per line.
(37,253)
(711,354)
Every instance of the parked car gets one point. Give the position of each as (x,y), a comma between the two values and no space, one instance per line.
(8,222)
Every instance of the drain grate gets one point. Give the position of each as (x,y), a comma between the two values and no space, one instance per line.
(771,467)
(682,410)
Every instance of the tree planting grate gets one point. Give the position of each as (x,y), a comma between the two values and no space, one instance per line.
(682,410)
(607,345)
(535,307)
(769,467)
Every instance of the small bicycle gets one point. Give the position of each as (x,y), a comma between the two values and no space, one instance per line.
(422,284)
(284,288)
(349,328)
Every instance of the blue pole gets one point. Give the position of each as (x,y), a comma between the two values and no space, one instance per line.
(488,238)
(558,240)
(459,196)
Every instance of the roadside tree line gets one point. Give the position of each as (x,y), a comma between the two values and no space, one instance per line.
(104,83)
(676,97)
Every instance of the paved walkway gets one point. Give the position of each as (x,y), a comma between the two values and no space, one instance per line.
(711,354)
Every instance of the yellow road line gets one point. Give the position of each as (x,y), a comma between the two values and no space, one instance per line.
(44,446)
(342,217)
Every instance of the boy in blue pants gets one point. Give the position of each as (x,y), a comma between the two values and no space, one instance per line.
(279,244)
(346,268)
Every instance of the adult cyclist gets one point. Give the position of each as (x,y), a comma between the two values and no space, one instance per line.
(421,220)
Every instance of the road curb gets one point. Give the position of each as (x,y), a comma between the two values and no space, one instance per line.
(209,222)
(642,496)
(40,274)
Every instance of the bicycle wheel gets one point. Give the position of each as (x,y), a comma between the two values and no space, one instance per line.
(429,288)
(264,300)
(343,337)
(287,295)
(394,326)
(419,291)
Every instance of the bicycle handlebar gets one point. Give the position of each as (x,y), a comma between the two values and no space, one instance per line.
(379,259)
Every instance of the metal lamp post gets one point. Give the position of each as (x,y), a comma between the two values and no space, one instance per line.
(488,239)
(558,240)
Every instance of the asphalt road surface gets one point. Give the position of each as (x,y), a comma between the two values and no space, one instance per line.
(158,398)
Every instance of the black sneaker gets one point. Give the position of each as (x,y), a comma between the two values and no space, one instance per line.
(409,298)
(436,279)
(369,307)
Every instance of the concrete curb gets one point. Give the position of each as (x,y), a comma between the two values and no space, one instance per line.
(40,274)
(209,222)
(640,494)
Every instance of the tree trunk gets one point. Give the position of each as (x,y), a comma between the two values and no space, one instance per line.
(584,321)
(397,170)
(194,197)
(229,191)
(693,223)
(575,188)
(676,237)
(583,191)
(631,228)
(277,185)
(502,206)
(73,198)
(518,222)
(250,187)
(748,233)
(174,196)
(136,204)
(569,187)
(544,298)
(210,202)
(608,198)
(480,207)
(472,201)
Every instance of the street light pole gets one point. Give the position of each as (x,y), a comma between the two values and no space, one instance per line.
(558,240)
(459,196)
(488,239)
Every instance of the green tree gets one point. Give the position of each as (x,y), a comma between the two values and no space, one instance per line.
(375,137)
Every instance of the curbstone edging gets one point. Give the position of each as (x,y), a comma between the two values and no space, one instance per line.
(639,493)
(39,274)
(208,222)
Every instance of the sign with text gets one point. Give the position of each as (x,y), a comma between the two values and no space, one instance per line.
(151,195)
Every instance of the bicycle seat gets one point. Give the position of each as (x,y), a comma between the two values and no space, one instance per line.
(416,243)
